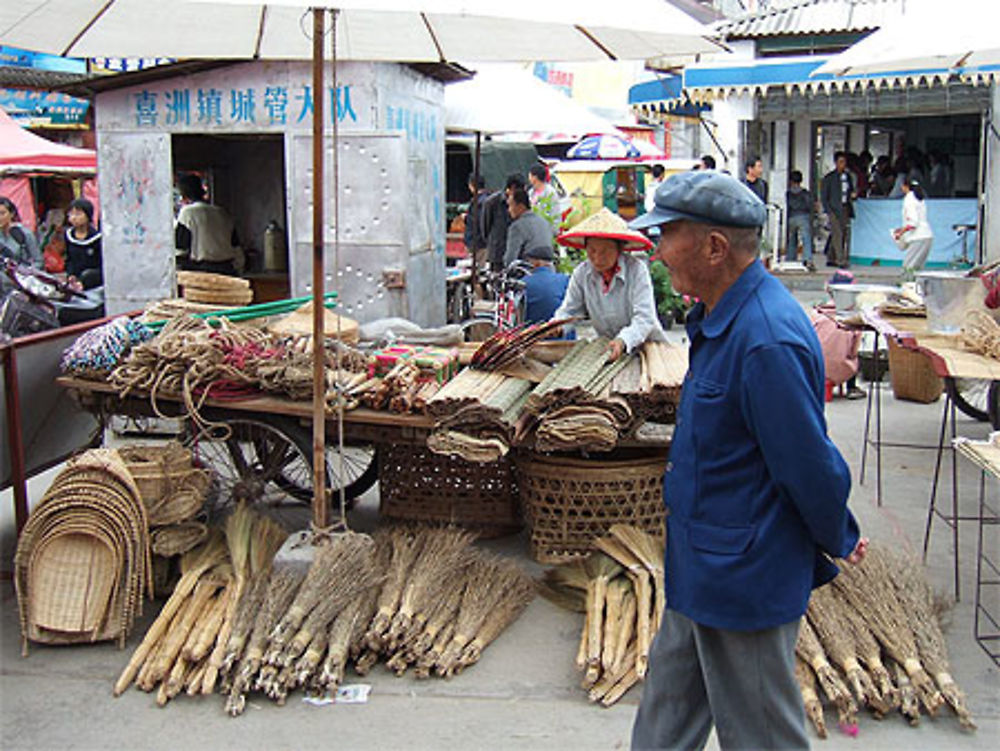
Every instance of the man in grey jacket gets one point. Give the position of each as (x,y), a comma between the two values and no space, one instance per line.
(837,195)
(527,229)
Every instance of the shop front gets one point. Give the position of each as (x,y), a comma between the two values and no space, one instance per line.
(930,121)
(245,129)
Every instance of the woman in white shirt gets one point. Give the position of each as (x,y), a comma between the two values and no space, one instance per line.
(915,236)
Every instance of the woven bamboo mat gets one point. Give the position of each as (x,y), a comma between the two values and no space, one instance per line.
(985,454)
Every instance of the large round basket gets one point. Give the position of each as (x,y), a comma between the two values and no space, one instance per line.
(570,502)
(418,485)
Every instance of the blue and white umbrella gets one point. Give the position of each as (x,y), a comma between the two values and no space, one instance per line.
(603,146)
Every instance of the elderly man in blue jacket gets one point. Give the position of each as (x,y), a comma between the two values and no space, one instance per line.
(755,491)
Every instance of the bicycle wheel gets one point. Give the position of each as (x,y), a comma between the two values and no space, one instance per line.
(355,469)
(972,396)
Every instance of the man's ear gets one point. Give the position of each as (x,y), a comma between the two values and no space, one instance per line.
(717,245)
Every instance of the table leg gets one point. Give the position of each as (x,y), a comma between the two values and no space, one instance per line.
(937,473)
(954,498)
(868,410)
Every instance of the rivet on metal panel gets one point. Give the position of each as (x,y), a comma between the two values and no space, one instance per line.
(347,189)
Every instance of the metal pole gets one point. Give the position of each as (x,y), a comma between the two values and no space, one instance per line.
(15,441)
(319,374)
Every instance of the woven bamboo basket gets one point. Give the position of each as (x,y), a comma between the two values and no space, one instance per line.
(156,469)
(570,502)
(178,538)
(912,376)
(418,485)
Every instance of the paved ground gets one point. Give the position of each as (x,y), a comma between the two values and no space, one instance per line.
(523,694)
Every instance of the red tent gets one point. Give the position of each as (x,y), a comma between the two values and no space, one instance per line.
(23,151)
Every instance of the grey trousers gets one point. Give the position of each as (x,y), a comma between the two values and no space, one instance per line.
(743,682)
(840,239)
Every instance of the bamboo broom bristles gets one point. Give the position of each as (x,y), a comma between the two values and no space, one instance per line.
(808,647)
(869,588)
(810,698)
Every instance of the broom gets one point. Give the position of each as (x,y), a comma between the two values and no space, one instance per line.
(445,614)
(193,564)
(869,652)
(649,551)
(614,598)
(517,590)
(264,540)
(338,644)
(333,563)
(810,650)
(405,547)
(483,591)
(283,584)
(909,703)
(639,575)
(611,678)
(601,569)
(807,686)
(835,636)
(917,598)
(869,588)
(442,551)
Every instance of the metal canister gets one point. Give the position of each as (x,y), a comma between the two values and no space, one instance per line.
(275,250)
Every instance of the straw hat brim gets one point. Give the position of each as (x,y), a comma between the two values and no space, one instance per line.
(632,241)
(605,224)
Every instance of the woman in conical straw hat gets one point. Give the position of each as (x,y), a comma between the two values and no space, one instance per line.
(612,287)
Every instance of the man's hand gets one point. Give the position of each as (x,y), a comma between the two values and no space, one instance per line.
(615,349)
(858,554)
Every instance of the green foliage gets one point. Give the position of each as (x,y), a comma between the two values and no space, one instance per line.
(568,259)
(668,300)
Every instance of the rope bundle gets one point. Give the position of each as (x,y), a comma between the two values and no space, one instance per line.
(193,360)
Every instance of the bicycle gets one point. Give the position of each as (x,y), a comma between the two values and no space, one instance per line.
(505,309)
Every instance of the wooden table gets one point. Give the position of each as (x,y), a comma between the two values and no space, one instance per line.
(951,361)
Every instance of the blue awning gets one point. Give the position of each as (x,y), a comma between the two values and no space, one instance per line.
(665,96)
(704,81)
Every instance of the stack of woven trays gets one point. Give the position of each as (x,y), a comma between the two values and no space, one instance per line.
(83,558)
(173,491)
(217,289)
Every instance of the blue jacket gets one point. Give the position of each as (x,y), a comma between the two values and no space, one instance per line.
(756,492)
(544,290)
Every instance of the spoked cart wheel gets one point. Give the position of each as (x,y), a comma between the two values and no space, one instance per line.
(267,461)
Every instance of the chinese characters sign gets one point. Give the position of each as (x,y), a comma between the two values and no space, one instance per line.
(267,106)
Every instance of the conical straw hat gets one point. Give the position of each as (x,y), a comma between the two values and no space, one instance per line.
(605,224)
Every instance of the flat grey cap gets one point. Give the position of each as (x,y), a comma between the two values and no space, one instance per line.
(704,196)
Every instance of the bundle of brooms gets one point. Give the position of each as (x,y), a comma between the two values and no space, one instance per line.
(872,639)
(415,596)
(620,590)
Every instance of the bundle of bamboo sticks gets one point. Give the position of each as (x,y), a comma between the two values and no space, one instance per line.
(182,648)
(871,639)
(620,590)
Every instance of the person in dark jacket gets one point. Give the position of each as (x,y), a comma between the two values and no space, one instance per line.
(837,195)
(756,504)
(83,245)
(496,220)
(544,288)
(753,178)
(799,206)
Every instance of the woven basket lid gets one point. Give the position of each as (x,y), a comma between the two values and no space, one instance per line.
(300,322)
(608,225)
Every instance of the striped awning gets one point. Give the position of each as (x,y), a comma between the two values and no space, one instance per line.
(705,82)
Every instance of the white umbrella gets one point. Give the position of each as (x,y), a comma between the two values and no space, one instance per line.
(395,30)
(929,35)
(504,100)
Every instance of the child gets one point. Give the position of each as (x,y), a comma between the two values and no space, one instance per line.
(799,204)
(83,245)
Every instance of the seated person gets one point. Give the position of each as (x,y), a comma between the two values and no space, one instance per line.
(612,288)
(204,233)
(544,288)
(83,246)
